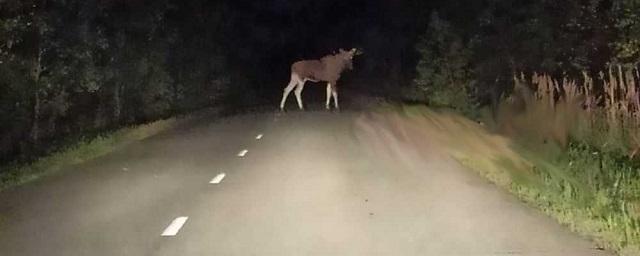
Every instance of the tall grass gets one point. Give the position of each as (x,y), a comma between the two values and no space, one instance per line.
(583,137)
(604,112)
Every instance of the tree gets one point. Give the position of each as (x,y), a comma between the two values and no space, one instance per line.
(443,70)
(72,67)
(628,25)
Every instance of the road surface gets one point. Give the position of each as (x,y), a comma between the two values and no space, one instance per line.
(311,185)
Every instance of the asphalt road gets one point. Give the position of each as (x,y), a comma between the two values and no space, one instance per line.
(310,186)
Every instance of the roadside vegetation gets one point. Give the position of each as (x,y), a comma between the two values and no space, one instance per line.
(592,192)
(583,146)
(75,153)
(73,69)
(555,100)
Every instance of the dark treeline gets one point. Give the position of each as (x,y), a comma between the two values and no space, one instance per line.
(72,67)
(471,50)
(76,67)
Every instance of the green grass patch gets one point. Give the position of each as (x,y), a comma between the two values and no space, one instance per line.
(84,150)
(594,192)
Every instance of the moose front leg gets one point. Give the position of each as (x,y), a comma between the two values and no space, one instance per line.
(328,105)
(334,91)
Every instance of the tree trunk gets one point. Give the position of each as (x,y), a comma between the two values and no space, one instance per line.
(36,72)
(117,104)
(99,118)
(35,75)
(176,92)
(35,128)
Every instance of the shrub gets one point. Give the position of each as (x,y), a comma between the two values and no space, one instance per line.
(443,78)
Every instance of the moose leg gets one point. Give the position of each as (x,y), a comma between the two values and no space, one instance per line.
(287,90)
(334,91)
(299,94)
(328,96)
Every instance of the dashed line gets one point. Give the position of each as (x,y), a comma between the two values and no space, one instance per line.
(175,226)
(217,179)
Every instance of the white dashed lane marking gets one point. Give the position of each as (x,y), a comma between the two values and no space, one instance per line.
(217,179)
(178,222)
(175,226)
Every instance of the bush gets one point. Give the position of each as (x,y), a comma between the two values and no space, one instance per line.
(443,78)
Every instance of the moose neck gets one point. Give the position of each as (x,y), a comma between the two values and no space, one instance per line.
(333,67)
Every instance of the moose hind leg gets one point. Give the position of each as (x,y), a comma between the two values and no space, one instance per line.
(299,94)
(328,104)
(286,92)
(334,91)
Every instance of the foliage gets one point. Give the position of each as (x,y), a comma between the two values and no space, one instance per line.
(443,74)
(82,151)
(543,109)
(628,23)
(593,192)
(583,145)
(502,37)
(72,67)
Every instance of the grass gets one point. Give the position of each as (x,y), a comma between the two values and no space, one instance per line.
(18,174)
(592,191)
(595,193)
(583,145)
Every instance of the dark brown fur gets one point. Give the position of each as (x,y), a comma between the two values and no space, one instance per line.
(327,69)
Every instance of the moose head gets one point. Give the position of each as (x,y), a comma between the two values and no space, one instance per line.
(347,57)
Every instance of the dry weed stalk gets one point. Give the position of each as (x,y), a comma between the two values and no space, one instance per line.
(618,102)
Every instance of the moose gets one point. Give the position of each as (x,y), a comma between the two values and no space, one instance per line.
(327,69)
